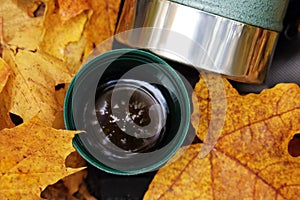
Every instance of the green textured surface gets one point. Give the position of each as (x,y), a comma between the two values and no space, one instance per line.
(267,14)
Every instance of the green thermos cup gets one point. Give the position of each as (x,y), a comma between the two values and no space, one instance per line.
(133,109)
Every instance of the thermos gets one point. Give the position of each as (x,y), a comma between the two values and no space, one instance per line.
(235,38)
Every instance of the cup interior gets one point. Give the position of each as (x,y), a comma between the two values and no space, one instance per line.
(133,108)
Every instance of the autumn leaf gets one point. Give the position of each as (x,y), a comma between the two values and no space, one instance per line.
(58,33)
(102,22)
(31,87)
(22,96)
(4,74)
(32,156)
(41,50)
(60,92)
(19,29)
(66,187)
(5,71)
(249,160)
(29,6)
(72,29)
(74,55)
(70,8)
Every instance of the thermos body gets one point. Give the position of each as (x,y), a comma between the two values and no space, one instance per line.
(218,37)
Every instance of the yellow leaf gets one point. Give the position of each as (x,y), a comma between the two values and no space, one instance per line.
(32,85)
(59,33)
(250,158)
(5,71)
(29,6)
(242,112)
(32,156)
(27,39)
(102,22)
(20,30)
(74,55)
(71,8)
(60,93)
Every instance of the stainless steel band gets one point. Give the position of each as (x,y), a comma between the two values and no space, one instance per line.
(193,37)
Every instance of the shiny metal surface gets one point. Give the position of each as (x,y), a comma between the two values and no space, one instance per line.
(196,38)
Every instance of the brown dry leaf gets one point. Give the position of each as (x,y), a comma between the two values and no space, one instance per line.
(72,187)
(66,187)
(70,8)
(102,22)
(249,160)
(31,88)
(84,193)
(57,191)
(74,160)
(73,181)
(32,156)
(59,33)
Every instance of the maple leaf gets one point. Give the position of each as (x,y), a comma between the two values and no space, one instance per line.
(72,29)
(40,54)
(30,90)
(19,29)
(74,55)
(249,159)
(32,156)
(4,74)
(102,22)
(29,6)
(22,96)
(70,8)
(5,71)
(98,32)
(58,33)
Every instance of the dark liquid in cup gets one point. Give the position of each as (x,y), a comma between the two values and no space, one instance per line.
(132,114)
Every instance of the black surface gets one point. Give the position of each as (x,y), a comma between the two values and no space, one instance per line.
(113,187)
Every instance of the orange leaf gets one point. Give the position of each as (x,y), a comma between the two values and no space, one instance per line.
(103,20)
(4,74)
(31,88)
(71,8)
(20,31)
(74,55)
(32,156)
(5,71)
(59,33)
(249,159)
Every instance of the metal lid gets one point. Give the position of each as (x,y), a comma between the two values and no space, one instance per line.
(196,38)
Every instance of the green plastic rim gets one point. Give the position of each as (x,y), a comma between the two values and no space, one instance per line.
(163,70)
